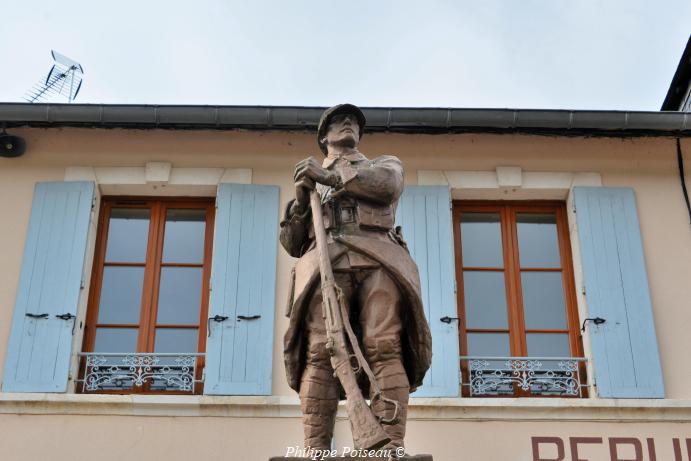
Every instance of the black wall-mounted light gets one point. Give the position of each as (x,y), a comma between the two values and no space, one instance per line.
(11,146)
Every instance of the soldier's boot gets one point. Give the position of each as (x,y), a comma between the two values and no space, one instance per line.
(384,356)
(396,432)
(318,402)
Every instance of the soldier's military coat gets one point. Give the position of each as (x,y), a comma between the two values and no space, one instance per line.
(373,187)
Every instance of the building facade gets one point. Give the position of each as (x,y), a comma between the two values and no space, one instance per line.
(143,291)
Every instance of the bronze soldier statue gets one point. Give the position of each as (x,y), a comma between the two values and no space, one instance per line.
(373,271)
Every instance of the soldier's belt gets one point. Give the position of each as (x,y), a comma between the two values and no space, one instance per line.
(339,215)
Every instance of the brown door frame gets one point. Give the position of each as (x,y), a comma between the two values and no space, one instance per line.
(507,211)
(152,271)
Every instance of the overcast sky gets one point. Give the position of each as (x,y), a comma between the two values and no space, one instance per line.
(574,54)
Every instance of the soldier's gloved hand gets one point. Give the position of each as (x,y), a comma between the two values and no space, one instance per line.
(310,168)
(303,187)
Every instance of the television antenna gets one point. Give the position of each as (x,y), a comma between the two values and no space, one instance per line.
(64,79)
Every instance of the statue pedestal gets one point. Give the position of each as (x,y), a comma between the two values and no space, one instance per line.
(349,458)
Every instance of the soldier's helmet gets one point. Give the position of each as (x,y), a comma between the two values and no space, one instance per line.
(337,110)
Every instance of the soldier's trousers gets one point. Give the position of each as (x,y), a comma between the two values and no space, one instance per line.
(374,295)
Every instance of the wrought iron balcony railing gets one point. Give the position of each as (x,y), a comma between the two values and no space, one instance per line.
(538,376)
(159,372)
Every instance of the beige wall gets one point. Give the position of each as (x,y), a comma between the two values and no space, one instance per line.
(105,438)
(646,164)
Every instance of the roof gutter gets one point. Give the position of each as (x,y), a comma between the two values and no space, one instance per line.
(296,118)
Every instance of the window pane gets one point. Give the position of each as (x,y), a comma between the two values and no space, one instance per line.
(543,300)
(179,295)
(184,236)
(121,340)
(183,340)
(481,240)
(121,294)
(128,234)
(114,340)
(537,240)
(490,345)
(485,299)
(548,345)
(175,340)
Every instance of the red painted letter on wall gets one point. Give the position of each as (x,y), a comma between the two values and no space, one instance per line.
(615,441)
(573,444)
(557,441)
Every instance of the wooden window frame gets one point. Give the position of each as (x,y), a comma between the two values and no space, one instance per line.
(507,211)
(152,271)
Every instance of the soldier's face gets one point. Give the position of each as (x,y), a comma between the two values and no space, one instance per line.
(343,130)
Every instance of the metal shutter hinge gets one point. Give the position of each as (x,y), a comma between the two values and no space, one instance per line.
(595,320)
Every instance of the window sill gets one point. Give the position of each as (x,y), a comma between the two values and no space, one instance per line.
(421,409)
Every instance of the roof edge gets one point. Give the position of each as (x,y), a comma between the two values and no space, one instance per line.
(299,118)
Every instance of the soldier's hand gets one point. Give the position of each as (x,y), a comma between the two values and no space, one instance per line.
(303,187)
(310,168)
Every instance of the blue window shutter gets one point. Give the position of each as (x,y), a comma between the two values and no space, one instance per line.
(424,212)
(625,353)
(243,280)
(38,353)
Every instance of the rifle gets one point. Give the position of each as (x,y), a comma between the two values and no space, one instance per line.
(365,426)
